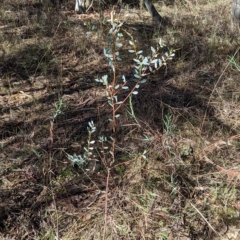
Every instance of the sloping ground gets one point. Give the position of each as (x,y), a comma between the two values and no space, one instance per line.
(176,171)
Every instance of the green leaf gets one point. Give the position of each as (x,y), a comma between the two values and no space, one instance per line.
(160,43)
(143,81)
(136,76)
(145,61)
(154,60)
(104,77)
(119,45)
(153,50)
(99,80)
(137,61)
(120,102)
(115,98)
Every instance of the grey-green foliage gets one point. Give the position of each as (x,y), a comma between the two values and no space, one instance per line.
(169,127)
(88,155)
(58,107)
(144,64)
(114,84)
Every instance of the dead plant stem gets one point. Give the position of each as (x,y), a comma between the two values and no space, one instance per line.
(208,223)
(106,204)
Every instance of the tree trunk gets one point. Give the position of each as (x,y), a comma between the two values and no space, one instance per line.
(152,10)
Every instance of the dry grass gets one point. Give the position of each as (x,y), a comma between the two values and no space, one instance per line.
(188,115)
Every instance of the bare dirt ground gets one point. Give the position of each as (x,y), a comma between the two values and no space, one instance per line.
(173,171)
